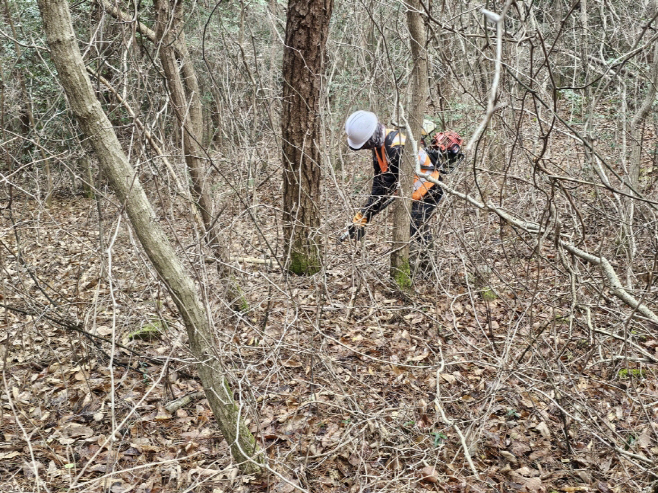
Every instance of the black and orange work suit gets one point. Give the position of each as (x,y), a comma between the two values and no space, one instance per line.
(386,162)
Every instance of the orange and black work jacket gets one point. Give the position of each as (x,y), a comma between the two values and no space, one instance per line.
(386,163)
(425,190)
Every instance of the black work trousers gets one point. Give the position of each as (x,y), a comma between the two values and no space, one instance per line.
(419,231)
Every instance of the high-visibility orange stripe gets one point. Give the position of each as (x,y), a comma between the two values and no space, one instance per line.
(360,219)
(422,190)
(383,162)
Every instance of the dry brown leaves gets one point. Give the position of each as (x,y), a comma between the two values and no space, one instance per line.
(338,373)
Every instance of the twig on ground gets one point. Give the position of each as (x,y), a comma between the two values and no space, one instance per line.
(176,404)
(437,403)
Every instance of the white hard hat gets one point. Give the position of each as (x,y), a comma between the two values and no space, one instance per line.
(359,127)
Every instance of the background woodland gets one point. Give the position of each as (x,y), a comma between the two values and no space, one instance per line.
(522,359)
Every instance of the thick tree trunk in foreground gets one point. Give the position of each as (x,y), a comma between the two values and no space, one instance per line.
(125,183)
(307,29)
(400,269)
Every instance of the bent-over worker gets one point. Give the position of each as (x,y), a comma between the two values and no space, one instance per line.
(364,131)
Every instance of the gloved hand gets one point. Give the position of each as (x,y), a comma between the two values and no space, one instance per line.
(358,227)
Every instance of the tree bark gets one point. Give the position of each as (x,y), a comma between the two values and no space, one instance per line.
(5,148)
(307,29)
(185,95)
(400,269)
(635,164)
(638,120)
(125,183)
(186,100)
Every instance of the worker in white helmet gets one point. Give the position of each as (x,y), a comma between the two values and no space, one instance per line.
(364,131)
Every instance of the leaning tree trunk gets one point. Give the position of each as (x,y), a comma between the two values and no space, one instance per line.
(124,182)
(307,29)
(400,269)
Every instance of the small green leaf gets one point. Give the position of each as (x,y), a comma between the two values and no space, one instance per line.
(438,438)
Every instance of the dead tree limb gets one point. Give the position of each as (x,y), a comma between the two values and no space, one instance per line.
(176,404)
(617,288)
(123,17)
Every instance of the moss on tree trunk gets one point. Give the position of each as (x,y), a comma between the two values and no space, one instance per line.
(304,262)
(402,274)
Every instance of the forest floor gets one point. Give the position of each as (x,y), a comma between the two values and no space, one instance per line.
(350,384)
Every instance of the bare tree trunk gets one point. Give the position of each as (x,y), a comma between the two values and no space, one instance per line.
(88,180)
(185,95)
(186,100)
(307,29)
(125,183)
(584,52)
(400,269)
(635,162)
(5,148)
(638,120)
